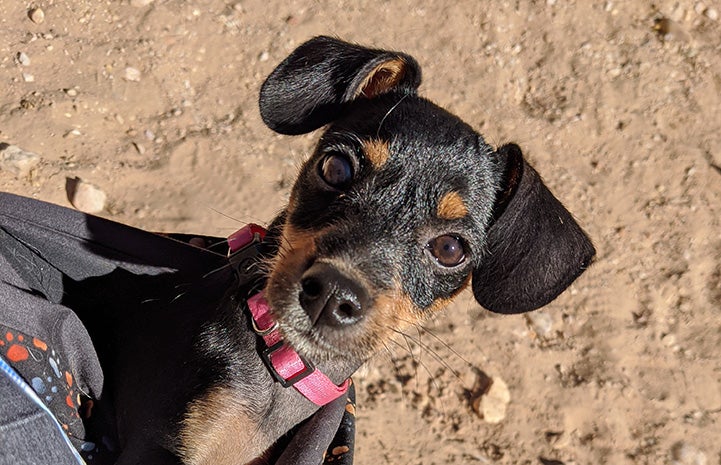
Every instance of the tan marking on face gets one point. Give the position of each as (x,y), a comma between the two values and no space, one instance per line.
(295,249)
(211,428)
(451,206)
(383,78)
(395,312)
(376,151)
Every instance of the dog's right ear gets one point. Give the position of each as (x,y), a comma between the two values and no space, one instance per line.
(308,89)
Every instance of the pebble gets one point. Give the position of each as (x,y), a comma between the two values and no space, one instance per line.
(683,453)
(494,403)
(712,14)
(85,196)
(541,323)
(17,161)
(263,56)
(23,59)
(71,92)
(132,74)
(140,3)
(139,148)
(27,77)
(36,15)
(489,397)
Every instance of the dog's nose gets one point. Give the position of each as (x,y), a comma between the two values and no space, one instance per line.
(330,297)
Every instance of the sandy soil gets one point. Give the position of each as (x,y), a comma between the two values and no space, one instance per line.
(617,104)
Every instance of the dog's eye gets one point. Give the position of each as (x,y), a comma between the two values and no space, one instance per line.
(447,250)
(336,170)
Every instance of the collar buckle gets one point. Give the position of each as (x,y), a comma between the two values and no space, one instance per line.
(244,246)
(267,356)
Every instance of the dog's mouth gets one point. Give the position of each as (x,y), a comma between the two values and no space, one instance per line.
(325,308)
(321,318)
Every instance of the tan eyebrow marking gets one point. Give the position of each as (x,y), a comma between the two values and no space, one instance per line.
(376,151)
(451,206)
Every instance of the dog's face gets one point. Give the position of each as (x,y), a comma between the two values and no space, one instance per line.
(399,208)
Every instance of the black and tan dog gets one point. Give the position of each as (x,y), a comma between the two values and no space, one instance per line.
(400,207)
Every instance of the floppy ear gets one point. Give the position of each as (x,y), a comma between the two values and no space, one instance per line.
(535,248)
(308,89)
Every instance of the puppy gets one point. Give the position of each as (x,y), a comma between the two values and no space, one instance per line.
(400,207)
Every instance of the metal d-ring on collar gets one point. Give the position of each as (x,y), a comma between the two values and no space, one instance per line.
(263,332)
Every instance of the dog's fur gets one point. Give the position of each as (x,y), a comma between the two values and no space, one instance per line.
(401,206)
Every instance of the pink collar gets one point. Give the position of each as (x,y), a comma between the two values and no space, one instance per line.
(286,365)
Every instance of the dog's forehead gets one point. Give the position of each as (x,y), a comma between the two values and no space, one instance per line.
(413,126)
(411,135)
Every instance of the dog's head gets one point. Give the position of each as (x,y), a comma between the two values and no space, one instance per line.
(401,206)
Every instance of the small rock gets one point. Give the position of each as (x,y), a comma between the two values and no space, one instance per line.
(541,323)
(71,92)
(712,14)
(683,453)
(132,74)
(263,56)
(36,15)
(140,3)
(699,8)
(23,58)
(27,77)
(84,196)
(494,403)
(17,161)
(490,397)
(139,148)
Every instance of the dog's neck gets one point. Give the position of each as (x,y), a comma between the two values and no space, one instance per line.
(244,410)
(239,417)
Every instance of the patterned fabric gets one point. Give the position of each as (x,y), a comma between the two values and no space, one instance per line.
(340,450)
(43,369)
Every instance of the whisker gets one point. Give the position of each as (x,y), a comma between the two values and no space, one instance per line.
(445,344)
(216,270)
(430,350)
(380,125)
(394,362)
(425,367)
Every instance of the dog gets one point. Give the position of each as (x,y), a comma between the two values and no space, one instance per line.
(400,207)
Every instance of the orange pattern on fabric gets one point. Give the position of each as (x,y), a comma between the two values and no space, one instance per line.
(40,344)
(17,353)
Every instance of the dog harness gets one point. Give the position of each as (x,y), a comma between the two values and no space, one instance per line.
(286,365)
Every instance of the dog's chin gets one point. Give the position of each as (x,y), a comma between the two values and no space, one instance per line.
(318,343)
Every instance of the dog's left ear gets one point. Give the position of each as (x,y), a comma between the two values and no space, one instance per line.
(535,247)
(308,89)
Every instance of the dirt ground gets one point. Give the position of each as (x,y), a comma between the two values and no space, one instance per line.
(616,103)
